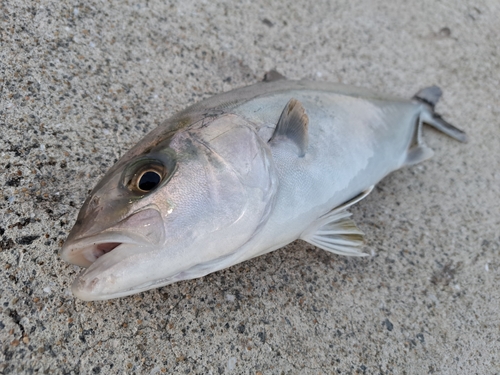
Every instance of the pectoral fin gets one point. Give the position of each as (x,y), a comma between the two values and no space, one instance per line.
(293,125)
(335,232)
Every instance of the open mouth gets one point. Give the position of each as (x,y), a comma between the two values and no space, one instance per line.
(108,260)
(142,229)
(103,248)
(86,255)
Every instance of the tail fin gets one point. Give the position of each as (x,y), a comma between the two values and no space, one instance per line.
(418,151)
(430,96)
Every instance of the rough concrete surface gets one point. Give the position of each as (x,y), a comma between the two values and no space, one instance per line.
(81,82)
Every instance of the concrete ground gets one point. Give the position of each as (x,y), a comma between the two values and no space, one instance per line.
(81,82)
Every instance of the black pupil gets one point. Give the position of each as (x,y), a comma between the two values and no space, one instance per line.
(149,181)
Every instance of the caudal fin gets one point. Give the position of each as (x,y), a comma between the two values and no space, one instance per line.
(430,96)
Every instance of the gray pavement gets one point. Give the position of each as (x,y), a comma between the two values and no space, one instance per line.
(81,82)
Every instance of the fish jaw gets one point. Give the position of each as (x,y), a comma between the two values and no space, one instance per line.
(111,252)
(85,252)
(109,276)
(143,228)
(127,258)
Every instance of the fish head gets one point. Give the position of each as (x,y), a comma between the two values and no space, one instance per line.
(177,210)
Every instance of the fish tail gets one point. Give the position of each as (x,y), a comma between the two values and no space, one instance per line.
(418,151)
(430,96)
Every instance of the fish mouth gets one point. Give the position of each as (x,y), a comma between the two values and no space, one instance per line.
(107,254)
(138,230)
(86,251)
(104,248)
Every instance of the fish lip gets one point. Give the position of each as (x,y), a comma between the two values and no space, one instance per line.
(88,285)
(83,248)
(87,289)
(84,251)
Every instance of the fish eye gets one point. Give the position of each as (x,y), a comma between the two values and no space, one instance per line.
(148,180)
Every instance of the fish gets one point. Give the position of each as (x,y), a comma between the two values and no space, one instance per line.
(241,174)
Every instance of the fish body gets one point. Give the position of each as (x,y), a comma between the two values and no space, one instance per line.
(241,174)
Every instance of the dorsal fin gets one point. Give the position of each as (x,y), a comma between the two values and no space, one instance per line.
(293,124)
(273,75)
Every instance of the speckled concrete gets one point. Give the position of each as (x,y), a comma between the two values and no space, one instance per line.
(81,82)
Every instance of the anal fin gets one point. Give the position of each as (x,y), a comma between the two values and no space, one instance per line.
(336,232)
(417,154)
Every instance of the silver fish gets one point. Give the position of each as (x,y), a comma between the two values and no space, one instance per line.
(241,174)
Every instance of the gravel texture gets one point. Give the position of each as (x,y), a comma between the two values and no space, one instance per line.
(81,82)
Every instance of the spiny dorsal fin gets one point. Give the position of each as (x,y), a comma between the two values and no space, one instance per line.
(335,232)
(273,75)
(293,124)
